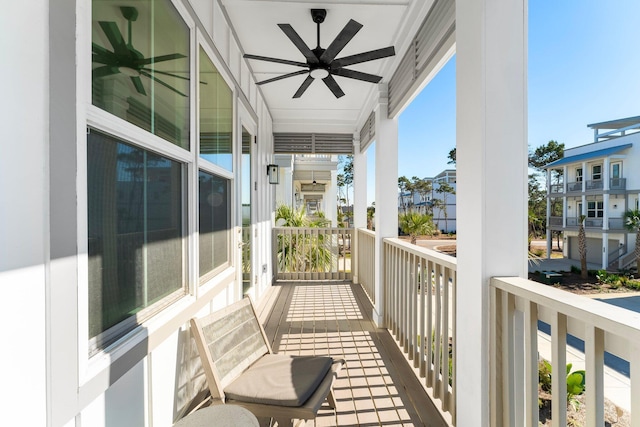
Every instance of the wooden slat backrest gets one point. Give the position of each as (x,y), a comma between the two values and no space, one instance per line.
(229,341)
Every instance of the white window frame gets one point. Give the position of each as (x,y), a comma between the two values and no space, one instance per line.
(579,174)
(593,172)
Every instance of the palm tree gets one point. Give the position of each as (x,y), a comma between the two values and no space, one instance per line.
(416,224)
(632,223)
(302,251)
(582,248)
(445,189)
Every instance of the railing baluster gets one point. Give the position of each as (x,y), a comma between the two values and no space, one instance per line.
(594,370)
(531,364)
(558,364)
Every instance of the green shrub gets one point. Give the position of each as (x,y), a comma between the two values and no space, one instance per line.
(575,270)
(575,380)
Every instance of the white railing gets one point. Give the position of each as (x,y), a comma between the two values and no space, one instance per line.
(366,253)
(312,253)
(419,310)
(517,305)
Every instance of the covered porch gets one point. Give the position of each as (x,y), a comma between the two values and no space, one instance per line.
(377,386)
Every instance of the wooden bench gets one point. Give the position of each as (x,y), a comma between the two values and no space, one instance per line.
(241,368)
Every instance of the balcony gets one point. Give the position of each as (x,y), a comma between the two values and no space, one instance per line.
(556,189)
(392,377)
(594,185)
(617,184)
(574,187)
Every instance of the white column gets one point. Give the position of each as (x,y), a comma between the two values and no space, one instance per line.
(584,176)
(549,236)
(605,250)
(359,185)
(491,61)
(386,219)
(359,199)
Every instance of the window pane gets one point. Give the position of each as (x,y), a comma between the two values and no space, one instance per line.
(216,115)
(135,231)
(214,210)
(141,66)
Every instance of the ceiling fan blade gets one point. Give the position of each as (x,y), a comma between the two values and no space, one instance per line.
(358,75)
(344,37)
(333,86)
(299,43)
(284,76)
(363,57)
(114,36)
(305,84)
(144,73)
(276,60)
(161,58)
(103,71)
(137,82)
(101,55)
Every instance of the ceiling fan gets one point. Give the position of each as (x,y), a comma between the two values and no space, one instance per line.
(322,63)
(125,59)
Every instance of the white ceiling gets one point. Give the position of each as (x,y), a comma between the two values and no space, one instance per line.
(385,23)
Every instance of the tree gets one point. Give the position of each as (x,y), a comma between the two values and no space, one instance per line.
(424,188)
(345,181)
(416,224)
(582,248)
(445,188)
(403,183)
(538,159)
(302,251)
(452,157)
(371,213)
(632,223)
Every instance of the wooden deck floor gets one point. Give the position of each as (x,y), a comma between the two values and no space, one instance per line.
(377,387)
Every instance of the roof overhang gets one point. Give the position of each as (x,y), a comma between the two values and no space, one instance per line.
(605,152)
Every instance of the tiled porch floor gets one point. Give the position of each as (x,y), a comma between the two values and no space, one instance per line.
(376,388)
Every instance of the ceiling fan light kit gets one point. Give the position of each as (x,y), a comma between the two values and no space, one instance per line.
(322,63)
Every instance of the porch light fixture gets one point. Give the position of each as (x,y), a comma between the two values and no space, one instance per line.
(273,171)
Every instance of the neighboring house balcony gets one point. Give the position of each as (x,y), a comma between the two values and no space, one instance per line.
(616,185)
(593,224)
(403,371)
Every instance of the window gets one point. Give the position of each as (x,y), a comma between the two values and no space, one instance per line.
(216,115)
(615,170)
(595,209)
(214,208)
(140,66)
(579,175)
(135,231)
(596,172)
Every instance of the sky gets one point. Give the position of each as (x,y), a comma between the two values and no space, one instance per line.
(584,67)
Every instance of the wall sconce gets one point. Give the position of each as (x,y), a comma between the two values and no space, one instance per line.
(615,206)
(569,207)
(273,171)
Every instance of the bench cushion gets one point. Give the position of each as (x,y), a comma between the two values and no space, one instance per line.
(280,379)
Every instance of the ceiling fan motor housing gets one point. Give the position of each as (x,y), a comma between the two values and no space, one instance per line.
(318,15)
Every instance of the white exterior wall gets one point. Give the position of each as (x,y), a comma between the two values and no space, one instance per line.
(24,254)
(43,227)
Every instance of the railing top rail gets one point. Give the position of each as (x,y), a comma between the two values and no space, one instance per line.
(367,231)
(346,230)
(445,260)
(612,319)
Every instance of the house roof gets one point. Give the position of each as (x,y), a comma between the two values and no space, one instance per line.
(590,155)
(616,124)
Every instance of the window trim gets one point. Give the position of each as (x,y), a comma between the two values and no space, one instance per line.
(593,173)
